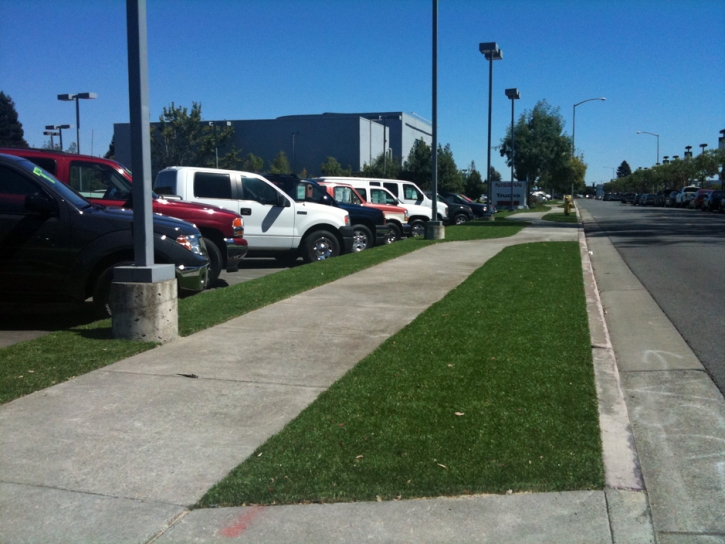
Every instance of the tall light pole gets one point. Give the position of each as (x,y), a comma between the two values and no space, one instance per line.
(76,97)
(216,151)
(51,134)
(573,133)
(59,128)
(434,229)
(658,142)
(513,94)
(491,52)
(613,170)
(688,151)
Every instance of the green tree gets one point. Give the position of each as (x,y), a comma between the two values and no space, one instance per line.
(11,130)
(252,163)
(417,167)
(182,139)
(111,153)
(473,183)
(382,167)
(332,167)
(542,149)
(449,177)
(624,170)
(280,164)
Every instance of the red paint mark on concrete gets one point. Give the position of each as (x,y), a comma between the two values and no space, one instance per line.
(242,523)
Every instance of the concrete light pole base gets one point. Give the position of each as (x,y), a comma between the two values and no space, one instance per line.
(148,312)
(434,230)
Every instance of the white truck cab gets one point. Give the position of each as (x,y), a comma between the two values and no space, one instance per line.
(274,224)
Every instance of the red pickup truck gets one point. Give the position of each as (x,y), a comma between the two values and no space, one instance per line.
(107,182)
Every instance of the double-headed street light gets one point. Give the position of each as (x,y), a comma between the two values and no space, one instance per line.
(216,151)
(491,51)
(512,94)
(688,151)
(59,128)
(658,142)
(76,97)
(51,134)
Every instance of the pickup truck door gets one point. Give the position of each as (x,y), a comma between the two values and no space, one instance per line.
(267,224)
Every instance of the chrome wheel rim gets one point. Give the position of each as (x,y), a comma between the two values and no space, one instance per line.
(360,241)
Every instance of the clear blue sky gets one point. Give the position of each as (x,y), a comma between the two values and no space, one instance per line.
(660,65)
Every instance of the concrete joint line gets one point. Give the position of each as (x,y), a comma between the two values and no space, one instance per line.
(168,526)
(621,462)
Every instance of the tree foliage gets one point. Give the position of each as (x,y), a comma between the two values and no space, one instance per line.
(383,166)
(252,163)
(624,170)
(417,168)
(183,139)
(280,164)
(111,153)
(332,167)
(11,130)
(473,186)
(542,151)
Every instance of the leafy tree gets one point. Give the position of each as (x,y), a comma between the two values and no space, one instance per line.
(111,153)
(72,148)
(473,186)
(182,139)
(11,130)
(495,175)
(417,167)
(333,168)
(48,145)
(252,163)
(624,170)
(382,167)
(280,164)
(542,149)
(449,177)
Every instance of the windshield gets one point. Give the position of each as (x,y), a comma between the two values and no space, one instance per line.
(381,196)
(96,180)
(61,188)
(344,195)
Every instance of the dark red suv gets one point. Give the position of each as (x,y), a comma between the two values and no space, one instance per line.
(103,181)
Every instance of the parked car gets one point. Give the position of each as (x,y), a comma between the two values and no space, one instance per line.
(682,200)
(456,198)
(661,197)
(396,217)
(274,224)
(59,247)
(713,202)
(458,214)
(106,182)
(628,198)
(368,224)
(648,199)
(671,199)
(700,196)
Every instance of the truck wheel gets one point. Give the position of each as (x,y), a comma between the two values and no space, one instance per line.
(215,261)
(417,228)
(460,219)
(320,245)
(102,291)
(362,238)
(395,233)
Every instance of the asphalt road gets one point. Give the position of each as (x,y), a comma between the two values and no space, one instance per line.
(679,256)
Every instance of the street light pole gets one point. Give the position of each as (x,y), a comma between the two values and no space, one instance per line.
(59,128)
(216,150)
(76,97)
(613,169)
(491,52)
(513,94)
(658,142)
(573,123)
(51,134)
(294,157)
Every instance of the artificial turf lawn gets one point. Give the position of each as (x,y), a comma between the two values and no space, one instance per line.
(54,358)
(490,389)
(561,217)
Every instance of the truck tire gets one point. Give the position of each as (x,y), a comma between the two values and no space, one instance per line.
(417,228)
(395,233)
(363,238)
(102,290)
(319,246)
(460,219)
(215,261)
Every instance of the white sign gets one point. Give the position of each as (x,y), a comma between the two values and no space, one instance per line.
(502,194)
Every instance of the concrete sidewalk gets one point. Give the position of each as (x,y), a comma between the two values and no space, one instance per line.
(118,455)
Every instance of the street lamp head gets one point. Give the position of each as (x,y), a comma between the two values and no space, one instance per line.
(490,50)
(513,94)
(87,96)
(703,146)
(54,127)
(51,133)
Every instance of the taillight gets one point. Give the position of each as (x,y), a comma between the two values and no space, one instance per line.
(238,227)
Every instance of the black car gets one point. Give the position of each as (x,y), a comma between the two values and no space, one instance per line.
(661,197)
(671,199)
(478,209)
(713,202)
(58,247)
(368,224)
(459,212)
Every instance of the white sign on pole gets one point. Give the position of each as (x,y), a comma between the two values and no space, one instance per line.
(502,194)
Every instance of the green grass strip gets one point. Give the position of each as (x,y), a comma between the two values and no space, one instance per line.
(491,389)
(536,208)
(61,355)
(561,217)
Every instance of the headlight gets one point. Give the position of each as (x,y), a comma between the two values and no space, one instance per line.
(190,242)
(406,215)
(347,219)
(238,227)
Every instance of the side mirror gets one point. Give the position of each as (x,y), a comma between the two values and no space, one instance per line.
(282,201)
(40,204)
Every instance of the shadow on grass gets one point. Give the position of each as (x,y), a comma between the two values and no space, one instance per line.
(46,317)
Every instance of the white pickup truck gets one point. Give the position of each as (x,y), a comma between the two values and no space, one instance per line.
(274,224)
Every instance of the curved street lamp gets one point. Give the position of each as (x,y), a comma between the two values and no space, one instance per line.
(658,142)
(573,123)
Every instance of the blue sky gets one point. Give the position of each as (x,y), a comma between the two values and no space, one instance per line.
(660,65)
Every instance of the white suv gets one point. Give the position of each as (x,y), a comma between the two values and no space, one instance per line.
(274,224)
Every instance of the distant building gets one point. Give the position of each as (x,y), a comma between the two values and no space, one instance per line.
(354,139)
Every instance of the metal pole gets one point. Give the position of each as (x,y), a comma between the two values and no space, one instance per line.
(294,158)
(385,143)
(434,151)
(512,154)
(573,133)
(488,154)
(78,127)
(60,135)
(658,149)
(216,149)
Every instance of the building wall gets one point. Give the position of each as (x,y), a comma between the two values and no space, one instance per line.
(353,139)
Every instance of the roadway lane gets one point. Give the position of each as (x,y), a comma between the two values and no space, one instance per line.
(679,257)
